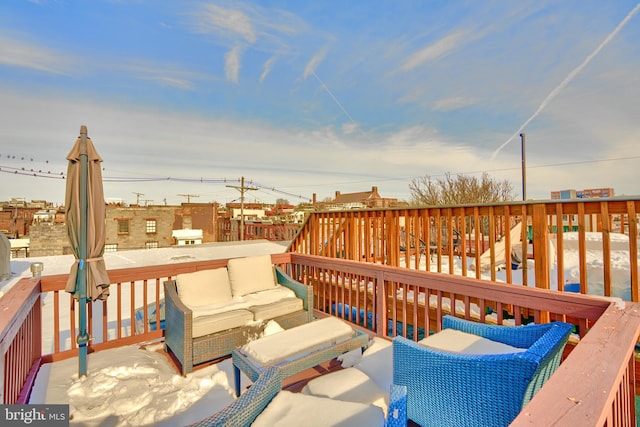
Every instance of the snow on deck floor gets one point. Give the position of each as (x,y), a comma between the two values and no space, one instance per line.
(134,386)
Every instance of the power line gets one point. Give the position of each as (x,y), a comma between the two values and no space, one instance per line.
(124,179)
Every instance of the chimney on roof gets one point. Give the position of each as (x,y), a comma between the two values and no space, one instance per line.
(337,194)
(374,189)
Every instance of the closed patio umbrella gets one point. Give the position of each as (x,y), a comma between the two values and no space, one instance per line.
(85,218)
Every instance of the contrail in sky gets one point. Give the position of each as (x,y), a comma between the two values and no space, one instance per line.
(568,79)
(333,96)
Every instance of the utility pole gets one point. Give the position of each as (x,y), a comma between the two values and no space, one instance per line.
(524,168)
(138,197)
(189,196)
(242,190)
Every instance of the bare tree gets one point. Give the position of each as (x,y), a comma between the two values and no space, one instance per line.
(282,201)
(461,190)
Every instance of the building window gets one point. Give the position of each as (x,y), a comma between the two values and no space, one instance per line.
(111,247)
(123,226)
(151,226)
(151,245)
(189,242)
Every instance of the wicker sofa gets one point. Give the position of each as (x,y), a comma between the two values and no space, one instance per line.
(210,313)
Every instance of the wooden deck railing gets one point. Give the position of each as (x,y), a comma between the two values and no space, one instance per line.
(20,339)
(387,300)
(433,238)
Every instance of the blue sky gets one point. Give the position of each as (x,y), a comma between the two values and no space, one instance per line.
(304,97)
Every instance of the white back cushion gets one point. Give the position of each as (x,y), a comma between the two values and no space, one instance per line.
(251,274)
(455,341)
(206,287)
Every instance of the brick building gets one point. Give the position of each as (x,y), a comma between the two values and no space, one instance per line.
(588,193)
(261,221)
(198,216)
(140,227)
(48,238)
(359,200)
(129,227)
(16,217)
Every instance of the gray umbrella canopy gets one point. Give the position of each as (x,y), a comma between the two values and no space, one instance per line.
(87,180)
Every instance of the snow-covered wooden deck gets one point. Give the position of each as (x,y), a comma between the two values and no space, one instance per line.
(606,331)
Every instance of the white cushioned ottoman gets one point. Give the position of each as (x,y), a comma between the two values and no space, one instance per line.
(296,409)
(350,385)
(298,341)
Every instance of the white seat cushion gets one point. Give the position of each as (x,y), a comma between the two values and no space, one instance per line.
(297,341)
(206,287)
(275,309)
(205,325)
(297,409)
(351,385)
(455,341)
(251,274)
(258,298)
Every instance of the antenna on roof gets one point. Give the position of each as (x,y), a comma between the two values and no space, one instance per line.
(138,197)
(189,196)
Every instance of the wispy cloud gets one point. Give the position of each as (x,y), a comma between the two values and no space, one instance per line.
(577,70)
(435,50)
(229,23)
(349,128)
(173,82)
(266,68)
(435,89)
(162,74)
(452,103)
(17,53)
(312,65)
(232,64)
(244,26)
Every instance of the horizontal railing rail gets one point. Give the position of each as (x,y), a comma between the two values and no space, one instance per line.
(473,240)
(388,300)
(389,296)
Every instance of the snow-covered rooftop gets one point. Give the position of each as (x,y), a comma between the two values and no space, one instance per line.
(61,264)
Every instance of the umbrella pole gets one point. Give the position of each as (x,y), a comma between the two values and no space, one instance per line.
(81,281)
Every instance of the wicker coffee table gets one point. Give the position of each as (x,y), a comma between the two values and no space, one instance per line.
(297,349)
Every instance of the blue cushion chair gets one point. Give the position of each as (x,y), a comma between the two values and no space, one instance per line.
(460,389)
